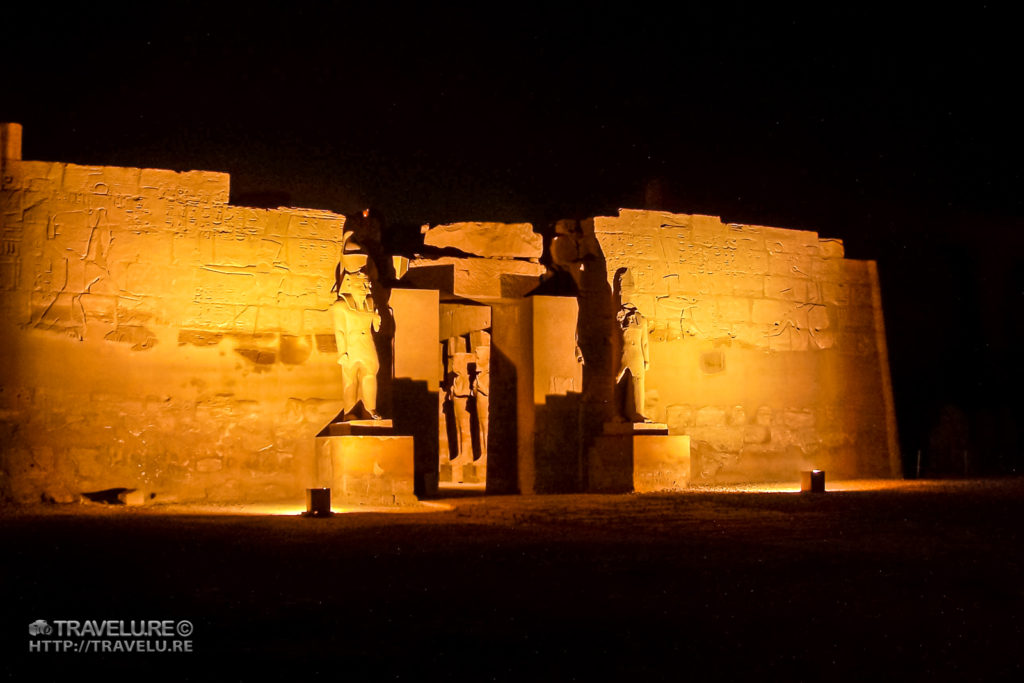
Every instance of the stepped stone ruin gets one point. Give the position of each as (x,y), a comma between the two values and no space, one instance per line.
(163,341)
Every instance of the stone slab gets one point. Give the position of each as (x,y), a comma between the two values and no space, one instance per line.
(494,240)
(474,278)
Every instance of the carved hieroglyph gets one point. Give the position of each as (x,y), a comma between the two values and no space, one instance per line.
(159,337)
(766,345)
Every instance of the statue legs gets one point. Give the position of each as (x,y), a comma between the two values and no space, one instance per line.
(369,392)
(636,381)
(350,387)
(359,382)
(639,396)
(481,420)
(462,425)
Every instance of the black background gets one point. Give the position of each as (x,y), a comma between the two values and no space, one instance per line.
(896,132)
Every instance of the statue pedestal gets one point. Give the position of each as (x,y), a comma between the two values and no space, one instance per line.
(359,428)
(639,457)
(635,429)
(365,464)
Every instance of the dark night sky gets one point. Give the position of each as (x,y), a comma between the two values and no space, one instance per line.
(899,133)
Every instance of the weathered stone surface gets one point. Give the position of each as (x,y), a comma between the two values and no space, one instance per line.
(831,248)
(620,463)
(184,328)
(368,470)
(198,356)
(475,278)
(460,319)
(418,376)
(493,240)
(754,330)
(661,463)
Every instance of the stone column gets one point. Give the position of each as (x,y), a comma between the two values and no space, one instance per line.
(10,145)
(417,355)
(534,343)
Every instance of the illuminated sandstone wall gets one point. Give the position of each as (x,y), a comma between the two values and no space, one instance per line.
(767,346)
(157,337)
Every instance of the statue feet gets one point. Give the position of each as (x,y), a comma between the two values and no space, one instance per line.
(360,412)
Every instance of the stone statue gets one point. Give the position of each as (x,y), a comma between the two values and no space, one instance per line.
(481,396)
(459,391)
(635,358)
(355,320)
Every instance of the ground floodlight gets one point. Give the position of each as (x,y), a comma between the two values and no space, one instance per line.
(318,502)
(812,481)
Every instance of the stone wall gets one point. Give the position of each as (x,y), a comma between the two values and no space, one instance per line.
(767,346)
(158,338)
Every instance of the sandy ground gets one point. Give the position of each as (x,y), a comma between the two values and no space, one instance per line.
(921,580)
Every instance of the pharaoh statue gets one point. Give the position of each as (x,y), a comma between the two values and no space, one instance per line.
(355,320)
(459,391)
(635,359)
(481,394)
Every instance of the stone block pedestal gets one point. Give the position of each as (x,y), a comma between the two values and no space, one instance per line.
(661,463)
(366,469)
(639,457)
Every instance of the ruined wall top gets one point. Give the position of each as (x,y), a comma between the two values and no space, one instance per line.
(142,183)
(490,240)
(768,287)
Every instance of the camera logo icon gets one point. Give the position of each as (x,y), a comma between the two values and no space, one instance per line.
(39,627)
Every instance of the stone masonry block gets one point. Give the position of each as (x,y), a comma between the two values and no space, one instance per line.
(733,309)
(101,180)
(827,270)
(493,240)
(791,241)
(835,293)
(314,225)
(34,176)
(768,311)
(856,272)
(788,288)
(748,237)
(711,416)
(746,285)
(708,231)
(750,261)
(197,185)
(831,248)
(790,264)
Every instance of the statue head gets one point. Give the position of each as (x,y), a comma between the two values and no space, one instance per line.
(628,314)
(355,284)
